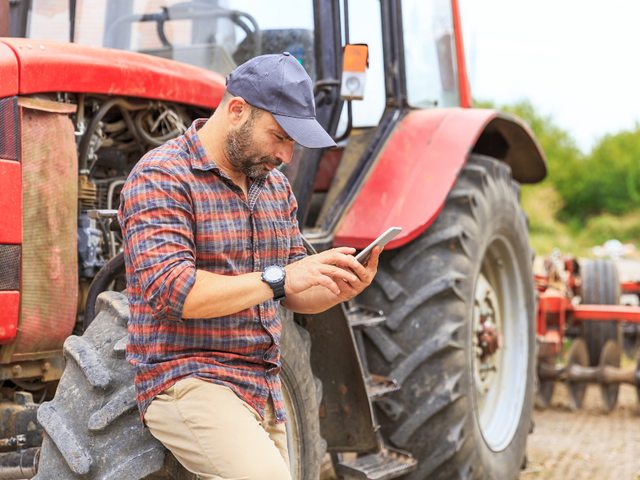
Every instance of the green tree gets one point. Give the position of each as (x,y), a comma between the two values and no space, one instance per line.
(607,180)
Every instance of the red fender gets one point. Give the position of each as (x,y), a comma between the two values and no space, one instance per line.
(47,66)
(418,166)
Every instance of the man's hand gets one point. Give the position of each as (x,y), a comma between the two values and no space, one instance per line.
(365,273)
(325,269)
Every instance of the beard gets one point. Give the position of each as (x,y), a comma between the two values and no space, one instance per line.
(245,155)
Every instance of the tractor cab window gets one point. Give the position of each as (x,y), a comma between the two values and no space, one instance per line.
(217,35)
(430,53)
(365,27)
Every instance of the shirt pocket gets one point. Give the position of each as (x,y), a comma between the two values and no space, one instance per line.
(283,239)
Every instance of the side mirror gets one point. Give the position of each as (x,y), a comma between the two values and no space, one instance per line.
(354,64)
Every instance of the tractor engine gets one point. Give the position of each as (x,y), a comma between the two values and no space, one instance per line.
(70,154)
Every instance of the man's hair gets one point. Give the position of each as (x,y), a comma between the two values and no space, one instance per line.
(255,112)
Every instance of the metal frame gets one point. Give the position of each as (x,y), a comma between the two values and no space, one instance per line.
(396,100)
(18,17)
(328,42)
(556,310)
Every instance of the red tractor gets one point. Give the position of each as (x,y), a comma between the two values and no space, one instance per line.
(430,374)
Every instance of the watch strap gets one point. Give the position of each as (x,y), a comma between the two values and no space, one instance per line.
(278,291)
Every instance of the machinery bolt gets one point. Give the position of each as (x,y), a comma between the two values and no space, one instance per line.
(17,369)
(342,390)
(346,411)
(45,366)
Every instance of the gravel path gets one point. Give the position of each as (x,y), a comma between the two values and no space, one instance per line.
(586,445)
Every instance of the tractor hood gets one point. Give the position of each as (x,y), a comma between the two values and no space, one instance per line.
(29,66)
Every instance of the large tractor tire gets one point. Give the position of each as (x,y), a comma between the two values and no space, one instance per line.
(93,428)
(600,286)
(460,333)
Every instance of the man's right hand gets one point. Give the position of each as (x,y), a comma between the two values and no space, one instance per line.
(320,270)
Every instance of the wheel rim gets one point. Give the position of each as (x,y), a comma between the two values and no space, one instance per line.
(499,345)
(294,448)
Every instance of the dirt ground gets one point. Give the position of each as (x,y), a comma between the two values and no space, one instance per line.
(589,444)
(586,445)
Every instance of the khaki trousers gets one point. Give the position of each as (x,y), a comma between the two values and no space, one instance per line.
(215,434)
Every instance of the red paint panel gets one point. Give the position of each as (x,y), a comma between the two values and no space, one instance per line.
(463,80)
(47,66)
(8,72)
(413,176)
(9,308)
(10,202)
(328,166)
(606,312)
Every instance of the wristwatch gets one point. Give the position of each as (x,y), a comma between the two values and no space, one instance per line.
(273,275)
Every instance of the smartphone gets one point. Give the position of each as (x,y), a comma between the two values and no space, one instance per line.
(382,240)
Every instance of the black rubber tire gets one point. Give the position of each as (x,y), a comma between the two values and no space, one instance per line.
(93,428)
(600,286)
(305,391)
(426,289)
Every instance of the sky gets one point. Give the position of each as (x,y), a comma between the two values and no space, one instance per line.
(575,60)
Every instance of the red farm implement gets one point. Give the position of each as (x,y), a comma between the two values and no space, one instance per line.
(583,302)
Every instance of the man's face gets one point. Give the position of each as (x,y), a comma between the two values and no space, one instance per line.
(258,145)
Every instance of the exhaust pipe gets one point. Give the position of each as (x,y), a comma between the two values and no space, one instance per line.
(19,465)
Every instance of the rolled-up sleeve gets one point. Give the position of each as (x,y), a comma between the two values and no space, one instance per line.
(297,251)
(157,219)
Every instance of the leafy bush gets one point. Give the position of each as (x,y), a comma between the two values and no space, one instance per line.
(607,180)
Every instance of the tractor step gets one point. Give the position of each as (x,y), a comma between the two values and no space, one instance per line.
(364,317)
(379,386)
(388,463)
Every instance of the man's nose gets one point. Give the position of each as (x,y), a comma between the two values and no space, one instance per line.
(285,153)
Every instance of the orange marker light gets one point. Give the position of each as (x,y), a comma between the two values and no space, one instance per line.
(355,63)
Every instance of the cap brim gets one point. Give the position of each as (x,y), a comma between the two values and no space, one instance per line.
(305,131)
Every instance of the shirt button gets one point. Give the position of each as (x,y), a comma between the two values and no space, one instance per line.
(266,357)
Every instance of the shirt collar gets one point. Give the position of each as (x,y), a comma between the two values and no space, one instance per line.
(200,159)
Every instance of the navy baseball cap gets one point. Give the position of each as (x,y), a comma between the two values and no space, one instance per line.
(281,86)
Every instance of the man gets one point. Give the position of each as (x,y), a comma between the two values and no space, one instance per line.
(211,246)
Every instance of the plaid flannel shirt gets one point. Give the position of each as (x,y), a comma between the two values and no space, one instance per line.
(179,212)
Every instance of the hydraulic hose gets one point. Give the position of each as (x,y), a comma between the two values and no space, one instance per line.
(125,107)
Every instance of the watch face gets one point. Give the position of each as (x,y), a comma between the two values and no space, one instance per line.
(273,274)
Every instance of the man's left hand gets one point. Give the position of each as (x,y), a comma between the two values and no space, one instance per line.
(365,274)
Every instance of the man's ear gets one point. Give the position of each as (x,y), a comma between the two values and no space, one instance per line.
(236,110)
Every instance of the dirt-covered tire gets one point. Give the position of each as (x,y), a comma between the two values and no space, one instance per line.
(303,394)
(92,426)
(435,291)
(600,286)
